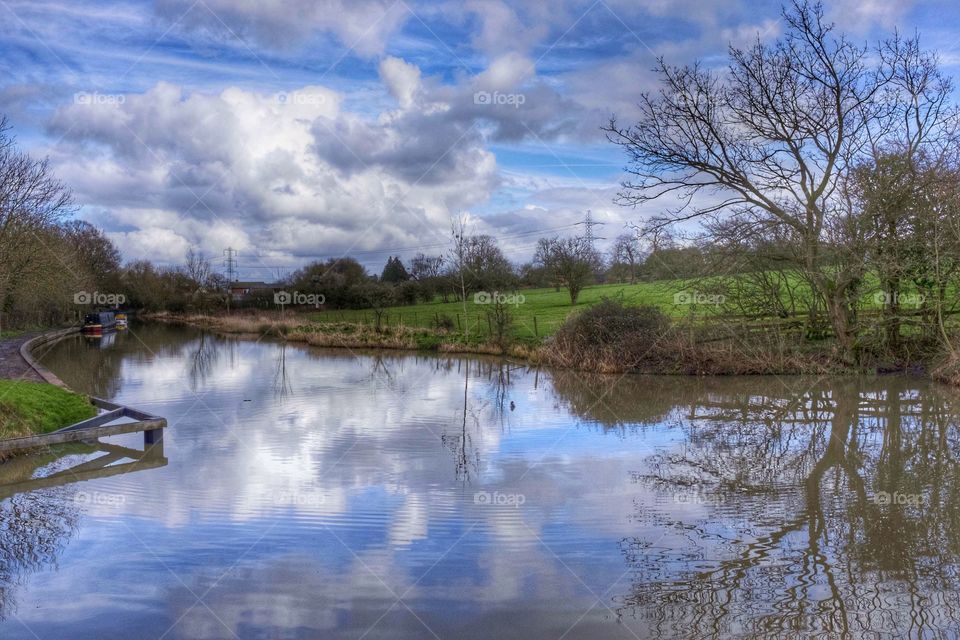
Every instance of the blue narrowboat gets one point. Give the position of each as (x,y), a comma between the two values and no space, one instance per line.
(97,324)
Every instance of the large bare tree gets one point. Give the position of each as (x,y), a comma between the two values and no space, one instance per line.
(772,141)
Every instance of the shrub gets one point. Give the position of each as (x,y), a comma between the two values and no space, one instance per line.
(443,322)
(427,341)
(408,292)
(610,337)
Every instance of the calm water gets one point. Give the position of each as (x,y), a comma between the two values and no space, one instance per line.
(327,494)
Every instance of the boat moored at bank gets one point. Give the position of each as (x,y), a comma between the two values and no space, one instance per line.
(99,323)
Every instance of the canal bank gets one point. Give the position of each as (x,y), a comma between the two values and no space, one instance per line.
(13,366)
(33,400)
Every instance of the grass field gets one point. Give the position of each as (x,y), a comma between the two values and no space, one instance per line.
(28,408)
(537,314)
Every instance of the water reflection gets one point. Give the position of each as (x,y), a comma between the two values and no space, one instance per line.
(317,493)
(831,511)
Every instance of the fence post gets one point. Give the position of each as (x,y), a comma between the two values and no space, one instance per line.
(536,333)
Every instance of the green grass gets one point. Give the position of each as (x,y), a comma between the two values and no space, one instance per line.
(28,408)
(543,310)
(540,314)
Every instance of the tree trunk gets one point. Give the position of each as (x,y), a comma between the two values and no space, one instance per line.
(841,322)
(891,311)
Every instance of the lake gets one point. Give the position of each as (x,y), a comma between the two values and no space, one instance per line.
(306,493)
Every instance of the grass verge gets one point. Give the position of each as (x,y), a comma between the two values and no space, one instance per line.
(31,408)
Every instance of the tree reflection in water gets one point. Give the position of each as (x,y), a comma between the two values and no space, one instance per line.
(34,526)
(494,405)
(833,510)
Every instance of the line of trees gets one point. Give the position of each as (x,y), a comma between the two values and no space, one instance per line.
(45,257)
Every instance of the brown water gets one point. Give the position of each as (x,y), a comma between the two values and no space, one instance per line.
(303,493)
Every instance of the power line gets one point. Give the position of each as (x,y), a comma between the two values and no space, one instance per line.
(589,223)
(231,264)
(396,250)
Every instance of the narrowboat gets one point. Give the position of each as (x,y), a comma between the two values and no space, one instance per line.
(121,320)
(97,324)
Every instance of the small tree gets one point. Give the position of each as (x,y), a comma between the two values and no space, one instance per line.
(377,297)
(501,321)
(626,251)
(427,272)
(570,261)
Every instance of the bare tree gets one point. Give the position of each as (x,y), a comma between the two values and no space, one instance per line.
(197,268)
(772,142)
(424,267)
(458,262)
(570,260)
(626,251)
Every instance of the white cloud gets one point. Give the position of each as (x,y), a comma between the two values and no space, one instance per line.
(402,79)
(242,168)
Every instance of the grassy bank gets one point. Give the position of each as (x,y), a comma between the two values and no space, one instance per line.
(697,339)
(619,347)
(30,408)
(302,328)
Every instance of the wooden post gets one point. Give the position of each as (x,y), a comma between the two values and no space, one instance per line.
(459,328)
(536,333)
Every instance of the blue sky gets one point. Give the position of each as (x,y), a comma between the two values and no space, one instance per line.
(293,129)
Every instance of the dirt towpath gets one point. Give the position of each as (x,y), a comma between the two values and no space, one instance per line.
(12,365)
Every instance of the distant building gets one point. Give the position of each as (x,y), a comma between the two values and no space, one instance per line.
(240,291)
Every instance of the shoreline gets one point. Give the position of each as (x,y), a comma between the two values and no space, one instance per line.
(43,397)
(46,338)
(362,336)
(347,335)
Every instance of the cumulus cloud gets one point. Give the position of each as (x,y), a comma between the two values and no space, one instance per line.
(440,131)
(402,79)
(242,168)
